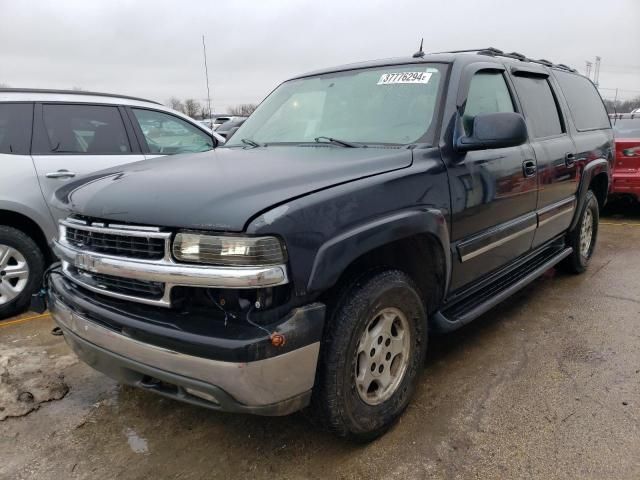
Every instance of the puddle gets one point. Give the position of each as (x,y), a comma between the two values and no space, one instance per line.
(136,442)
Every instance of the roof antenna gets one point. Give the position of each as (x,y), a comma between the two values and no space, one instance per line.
(419,53)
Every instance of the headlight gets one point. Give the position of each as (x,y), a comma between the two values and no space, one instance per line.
(228,250)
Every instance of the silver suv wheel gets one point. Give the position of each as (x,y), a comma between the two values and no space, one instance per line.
(14,273)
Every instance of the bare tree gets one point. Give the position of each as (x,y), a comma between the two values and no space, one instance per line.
(4,85)
(622,106)
(176,104)
(191,107)
(243,110)
(77,89)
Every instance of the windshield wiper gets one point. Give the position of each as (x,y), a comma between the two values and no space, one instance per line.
(248,141)
(335,141)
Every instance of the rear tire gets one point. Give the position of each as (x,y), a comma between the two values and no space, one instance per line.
(373,351)
(583,237)
(21,268)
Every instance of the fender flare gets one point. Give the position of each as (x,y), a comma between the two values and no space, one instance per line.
(591,169)
(335,255)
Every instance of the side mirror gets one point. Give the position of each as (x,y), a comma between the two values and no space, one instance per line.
(494,130)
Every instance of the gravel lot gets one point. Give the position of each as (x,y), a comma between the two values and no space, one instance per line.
(547,385)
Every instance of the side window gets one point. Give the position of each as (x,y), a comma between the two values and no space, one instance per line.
(15,128)
(167,134)
(488,93)
(88,129)
(585,104)
(539,105)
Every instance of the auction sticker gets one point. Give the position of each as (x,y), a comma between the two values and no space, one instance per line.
(404,77)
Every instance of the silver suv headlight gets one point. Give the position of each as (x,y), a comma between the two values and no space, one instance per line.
(229,250)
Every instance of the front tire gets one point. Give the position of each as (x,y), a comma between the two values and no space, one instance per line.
(21,267)
(583,237)
(373,351)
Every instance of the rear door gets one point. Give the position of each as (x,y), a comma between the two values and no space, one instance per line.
(554,150)
(73,139)
(19,189)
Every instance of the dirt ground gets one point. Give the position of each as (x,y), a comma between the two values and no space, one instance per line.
(547,385)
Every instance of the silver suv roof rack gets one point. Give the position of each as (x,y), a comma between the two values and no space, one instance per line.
(74,92)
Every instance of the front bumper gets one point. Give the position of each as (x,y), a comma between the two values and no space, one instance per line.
(276,385)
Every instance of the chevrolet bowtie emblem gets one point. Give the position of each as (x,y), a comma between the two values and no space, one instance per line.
(84,261)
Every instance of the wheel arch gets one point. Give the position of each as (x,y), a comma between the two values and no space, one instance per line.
(415,242)
(596,174)
(29,227)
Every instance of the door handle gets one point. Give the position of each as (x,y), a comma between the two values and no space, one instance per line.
(529,168)
(60,174)
(569,159)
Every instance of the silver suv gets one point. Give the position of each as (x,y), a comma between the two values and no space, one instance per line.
(50,136)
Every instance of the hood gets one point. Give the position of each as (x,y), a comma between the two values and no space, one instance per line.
(221,189)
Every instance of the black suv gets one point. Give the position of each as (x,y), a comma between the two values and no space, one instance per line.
(358,210)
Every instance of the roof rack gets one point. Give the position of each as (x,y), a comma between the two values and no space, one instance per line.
(73,92)
(495,52)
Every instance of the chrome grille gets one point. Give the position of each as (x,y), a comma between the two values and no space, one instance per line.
(135,263)
(139,243)
(126,286)
(118,245)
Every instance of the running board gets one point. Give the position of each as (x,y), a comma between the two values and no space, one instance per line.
(452,317)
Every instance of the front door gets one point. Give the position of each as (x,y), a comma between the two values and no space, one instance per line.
(72,140)
(493,191)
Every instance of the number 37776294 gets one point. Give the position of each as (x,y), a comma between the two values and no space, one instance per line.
(404,77)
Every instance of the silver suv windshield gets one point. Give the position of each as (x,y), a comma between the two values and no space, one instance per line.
(385,105)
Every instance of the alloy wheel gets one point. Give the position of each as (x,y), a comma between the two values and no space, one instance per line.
(14,273)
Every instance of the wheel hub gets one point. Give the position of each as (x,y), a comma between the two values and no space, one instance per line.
(382,356)
(586,233)
(14,273)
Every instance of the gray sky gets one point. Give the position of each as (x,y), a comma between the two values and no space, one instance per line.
(154,48)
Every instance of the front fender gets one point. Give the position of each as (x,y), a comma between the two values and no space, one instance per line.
(335,255)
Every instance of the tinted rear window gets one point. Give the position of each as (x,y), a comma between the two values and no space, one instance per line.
(626,127)
(539,105)
(15,128)
(587,109)
(90,129)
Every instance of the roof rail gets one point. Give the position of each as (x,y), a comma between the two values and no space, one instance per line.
(73,92)
(495,52)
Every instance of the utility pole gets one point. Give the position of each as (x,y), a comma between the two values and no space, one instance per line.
(206,74)
(588,69)
(596,72)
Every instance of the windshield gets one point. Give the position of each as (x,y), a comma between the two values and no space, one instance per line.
(388,105)
(626,127)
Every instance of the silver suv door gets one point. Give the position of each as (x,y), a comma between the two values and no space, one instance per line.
(74,139)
